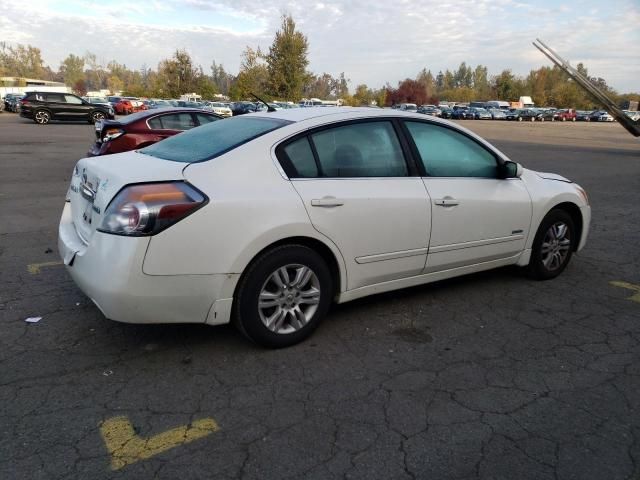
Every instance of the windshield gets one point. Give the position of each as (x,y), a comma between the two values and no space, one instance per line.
(212,140)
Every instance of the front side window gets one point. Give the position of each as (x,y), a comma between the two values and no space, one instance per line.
(368,149)
(447,153)
(72,99)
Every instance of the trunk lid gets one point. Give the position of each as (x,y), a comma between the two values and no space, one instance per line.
(102,126)
(97,180)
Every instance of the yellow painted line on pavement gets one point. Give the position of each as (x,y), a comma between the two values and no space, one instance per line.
(126,447)
(629,286)
(34,268)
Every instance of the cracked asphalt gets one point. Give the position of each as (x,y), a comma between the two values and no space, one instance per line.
(489,376)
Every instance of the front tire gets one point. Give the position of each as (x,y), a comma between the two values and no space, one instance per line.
(41,117)
(96,116)
(552,246)
(283,296)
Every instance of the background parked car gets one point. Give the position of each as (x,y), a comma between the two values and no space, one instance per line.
(98,101)
(445,112)
(583,116)
(42,107)
(429,110)
(241,108)
(14,103)
(498,114)
(123,107)
(567,115)
(145,128)
(461,113)
(479,113)
(514,115)
(601,116)
(10,98)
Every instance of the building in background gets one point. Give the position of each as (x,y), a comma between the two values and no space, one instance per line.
(24,85)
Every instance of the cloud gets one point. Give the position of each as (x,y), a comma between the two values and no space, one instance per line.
(371,41)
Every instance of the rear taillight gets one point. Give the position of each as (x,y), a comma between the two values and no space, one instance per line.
(146,209)
(24,101)
(111,134)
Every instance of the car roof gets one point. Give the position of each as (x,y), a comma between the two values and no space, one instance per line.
(307,113)
(134,117)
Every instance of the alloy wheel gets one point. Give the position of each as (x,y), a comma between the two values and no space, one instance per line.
(98,116)
(555,246)
(42,117)
(289,298)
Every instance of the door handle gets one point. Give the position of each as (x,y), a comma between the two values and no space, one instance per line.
(326,202)
(446,202)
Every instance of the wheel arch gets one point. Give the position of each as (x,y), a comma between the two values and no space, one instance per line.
(334,262)
(576,215)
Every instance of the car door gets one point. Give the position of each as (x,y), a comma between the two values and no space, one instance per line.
(75,107)
(477,216)
(358,190)
(58,106)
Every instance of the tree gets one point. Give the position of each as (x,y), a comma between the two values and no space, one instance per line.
(114,84)
(72,69)
(253,76)
(425,78)
(287,61)
(221,79)
(21,61)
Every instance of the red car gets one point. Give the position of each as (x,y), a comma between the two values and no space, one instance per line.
(144,128)
(124,107)
(566,115)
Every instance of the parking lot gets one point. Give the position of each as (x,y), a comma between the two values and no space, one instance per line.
(487,376)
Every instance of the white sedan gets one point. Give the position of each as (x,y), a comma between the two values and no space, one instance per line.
(266,219)
(218,108)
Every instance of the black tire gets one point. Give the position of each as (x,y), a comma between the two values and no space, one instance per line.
(247,314)
(41,117)
(538,268)
(95,116)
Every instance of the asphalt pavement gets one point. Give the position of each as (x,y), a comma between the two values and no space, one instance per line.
(490,376)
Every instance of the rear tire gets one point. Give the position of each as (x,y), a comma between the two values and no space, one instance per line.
(283,296)
(553,246)
(41,117)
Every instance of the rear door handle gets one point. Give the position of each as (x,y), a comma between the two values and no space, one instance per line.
(446,202)
(327,202)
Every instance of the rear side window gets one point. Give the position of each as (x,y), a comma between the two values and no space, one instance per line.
(204,119)
(447,153)
(213,139)
(177,121)
(300,156)
(368,149)
(55,97)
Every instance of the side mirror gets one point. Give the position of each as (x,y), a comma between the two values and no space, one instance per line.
(512,169)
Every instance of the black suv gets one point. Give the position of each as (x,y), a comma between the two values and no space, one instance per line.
(42,107)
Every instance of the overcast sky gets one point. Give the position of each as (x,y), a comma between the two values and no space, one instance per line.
(372,41)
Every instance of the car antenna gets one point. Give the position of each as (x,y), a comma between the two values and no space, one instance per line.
(269,107)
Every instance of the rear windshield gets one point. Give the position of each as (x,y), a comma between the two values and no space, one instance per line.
(212,140)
